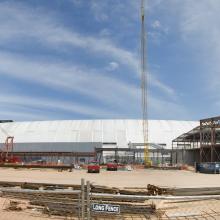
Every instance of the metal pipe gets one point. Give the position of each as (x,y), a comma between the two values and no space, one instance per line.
(83,198)
(105,195)
(88,199)
(31,191)
(136,197)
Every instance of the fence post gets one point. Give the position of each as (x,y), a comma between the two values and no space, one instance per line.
(83,199)
(88,199)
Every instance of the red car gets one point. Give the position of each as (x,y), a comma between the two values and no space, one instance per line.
(112,166)
(93,167)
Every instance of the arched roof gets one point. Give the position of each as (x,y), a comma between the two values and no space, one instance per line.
(106,131)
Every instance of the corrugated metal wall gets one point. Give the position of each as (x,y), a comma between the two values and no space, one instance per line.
(56,147)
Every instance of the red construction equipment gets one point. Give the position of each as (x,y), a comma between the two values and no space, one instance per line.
(6,152)
(6,155)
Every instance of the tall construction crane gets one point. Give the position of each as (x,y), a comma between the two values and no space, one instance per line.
(144,88)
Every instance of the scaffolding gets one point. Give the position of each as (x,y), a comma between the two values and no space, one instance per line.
(210,140)
(134,154)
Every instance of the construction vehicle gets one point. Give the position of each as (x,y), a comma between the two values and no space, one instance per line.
(93,167)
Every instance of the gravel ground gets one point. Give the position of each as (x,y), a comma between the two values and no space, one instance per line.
(135,178)
(25,214)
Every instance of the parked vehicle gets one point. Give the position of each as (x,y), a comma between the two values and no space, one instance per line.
(93,167)
(112,166)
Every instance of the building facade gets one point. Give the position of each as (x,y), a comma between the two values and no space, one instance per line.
(85,135)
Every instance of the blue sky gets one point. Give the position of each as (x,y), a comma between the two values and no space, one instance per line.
(79,59)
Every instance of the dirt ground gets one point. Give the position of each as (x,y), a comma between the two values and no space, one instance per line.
(176,210)
(25,213)
(135,178)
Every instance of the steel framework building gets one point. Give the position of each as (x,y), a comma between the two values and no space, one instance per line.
(202,143)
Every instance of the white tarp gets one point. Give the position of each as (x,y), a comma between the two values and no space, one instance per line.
(110,131)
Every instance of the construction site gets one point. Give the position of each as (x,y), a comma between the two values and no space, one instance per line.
(111,168)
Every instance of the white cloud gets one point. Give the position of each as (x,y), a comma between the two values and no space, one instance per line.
(73,78)
(168,110)
(168,90)
(105,32)
(24,115)
(198,23)
(196,31)
(112,66)
(157,32)
(156,24)
(69,77)
(97,7)
(23,107)
(24,22)
(77,2)
(45,105)
(123,99)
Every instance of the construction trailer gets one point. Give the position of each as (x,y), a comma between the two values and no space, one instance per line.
(201,144)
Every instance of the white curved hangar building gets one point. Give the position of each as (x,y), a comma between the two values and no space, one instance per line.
(84,135)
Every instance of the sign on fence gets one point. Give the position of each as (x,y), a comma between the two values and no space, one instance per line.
(107,208)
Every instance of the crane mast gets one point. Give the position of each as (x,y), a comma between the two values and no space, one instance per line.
(144,86)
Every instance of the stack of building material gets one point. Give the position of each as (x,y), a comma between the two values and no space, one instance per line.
(193,191)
